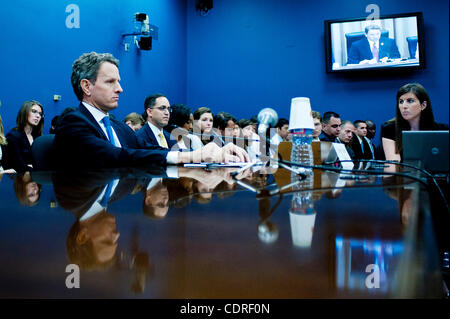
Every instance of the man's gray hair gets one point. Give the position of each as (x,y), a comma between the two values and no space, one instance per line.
(86,67)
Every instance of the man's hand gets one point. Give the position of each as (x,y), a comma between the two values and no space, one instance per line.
(211,152)
(233,153)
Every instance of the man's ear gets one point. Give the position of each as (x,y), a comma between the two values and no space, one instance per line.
(82,236)
(86,86)
(149,112)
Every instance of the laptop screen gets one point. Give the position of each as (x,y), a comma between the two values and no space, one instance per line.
(429,147)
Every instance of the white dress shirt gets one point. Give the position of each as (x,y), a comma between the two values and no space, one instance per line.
(172,156)
(98,116)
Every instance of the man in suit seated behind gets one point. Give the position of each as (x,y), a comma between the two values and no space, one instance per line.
(88,138)
(373,48)
(157,108)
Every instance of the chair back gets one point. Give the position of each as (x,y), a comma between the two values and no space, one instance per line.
(412,46)
(43,153)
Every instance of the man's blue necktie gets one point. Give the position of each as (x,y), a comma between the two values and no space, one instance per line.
(108,127)
(105,199)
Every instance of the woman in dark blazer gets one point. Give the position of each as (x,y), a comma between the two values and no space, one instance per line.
(30,122)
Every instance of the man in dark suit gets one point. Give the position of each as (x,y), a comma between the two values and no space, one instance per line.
(89,138)
(359,143)
(331,127)
(346,136)
(373,48)
(157,108)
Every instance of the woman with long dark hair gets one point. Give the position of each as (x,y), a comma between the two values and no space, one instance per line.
(203,124)
(414,113)
(30,122)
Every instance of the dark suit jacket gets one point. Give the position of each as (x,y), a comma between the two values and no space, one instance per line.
(18,151)
(81,144)
(360,50)
(356,147)
(147,135)
(327,138)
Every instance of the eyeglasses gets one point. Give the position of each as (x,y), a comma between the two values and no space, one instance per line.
(334,125)
(163,108)
(35,111)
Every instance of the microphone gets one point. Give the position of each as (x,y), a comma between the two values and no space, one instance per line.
(267,117)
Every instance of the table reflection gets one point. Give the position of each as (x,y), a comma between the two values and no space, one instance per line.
(200,233)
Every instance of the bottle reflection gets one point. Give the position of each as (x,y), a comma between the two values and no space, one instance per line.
(302,214)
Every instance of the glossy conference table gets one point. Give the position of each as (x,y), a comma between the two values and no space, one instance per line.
(204,235)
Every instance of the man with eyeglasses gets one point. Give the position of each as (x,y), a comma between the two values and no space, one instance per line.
(157,109)
(331,126)
(88,138)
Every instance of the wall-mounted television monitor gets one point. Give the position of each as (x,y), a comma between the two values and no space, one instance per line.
(392,41)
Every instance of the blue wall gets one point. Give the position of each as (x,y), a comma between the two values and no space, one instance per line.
(249,54)
(37,52)
(243,56)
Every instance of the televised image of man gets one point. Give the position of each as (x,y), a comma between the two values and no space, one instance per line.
(373,48)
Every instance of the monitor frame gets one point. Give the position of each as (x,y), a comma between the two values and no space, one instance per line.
(378,68)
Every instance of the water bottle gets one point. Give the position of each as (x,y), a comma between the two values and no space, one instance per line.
(301,148)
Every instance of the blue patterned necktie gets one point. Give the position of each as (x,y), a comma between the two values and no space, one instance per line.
(108,127)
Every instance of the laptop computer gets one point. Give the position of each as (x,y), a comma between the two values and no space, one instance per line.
(428,147)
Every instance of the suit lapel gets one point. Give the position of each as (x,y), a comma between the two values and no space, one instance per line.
(92,120)
(150,135)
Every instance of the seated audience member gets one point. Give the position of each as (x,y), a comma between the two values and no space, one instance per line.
(180,127)
(372,48)
(331,126)
(158,110)
(56,119)
(3,152)
(346,137)
(282,132)
(359,144)
(134,120)
(27,191)
(413,113)
(30,121)
(203,124)
(254,120)
(371,131)
(377,149)
(317,119)
(252,144)
(224,123)
(88,138)
(53,124)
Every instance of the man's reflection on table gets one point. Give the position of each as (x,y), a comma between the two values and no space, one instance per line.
(156,199)
(92,239)
(27,191)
